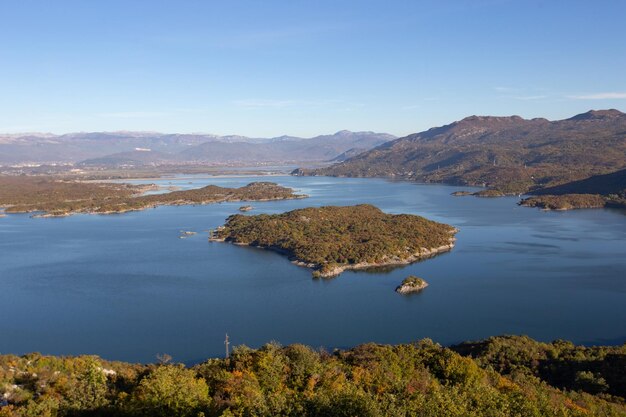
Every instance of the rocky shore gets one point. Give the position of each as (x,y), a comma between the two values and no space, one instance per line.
(425,253)
(320,271)
(332,239)
(411,284)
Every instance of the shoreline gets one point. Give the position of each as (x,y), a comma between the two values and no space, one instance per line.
(424,253)
(155,205)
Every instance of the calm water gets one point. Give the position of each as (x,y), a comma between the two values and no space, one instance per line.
(126,287)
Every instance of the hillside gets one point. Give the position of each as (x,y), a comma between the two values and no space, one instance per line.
(511,154)
(498,377)
(598,191)
(613,183)
(113,149)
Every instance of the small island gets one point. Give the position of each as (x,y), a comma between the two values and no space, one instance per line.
(461,193)
(411,284)
(245,208)
(332,239)
(489,193)
(53,197)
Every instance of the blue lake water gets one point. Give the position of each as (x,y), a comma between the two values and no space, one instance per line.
(126,287)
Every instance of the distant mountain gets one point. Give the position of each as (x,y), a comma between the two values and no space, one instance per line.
(131,158)
(508,153)
(149,148)
(348,154)
(320,148)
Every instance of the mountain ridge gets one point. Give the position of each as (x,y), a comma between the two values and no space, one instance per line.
(512,154)
(104,148)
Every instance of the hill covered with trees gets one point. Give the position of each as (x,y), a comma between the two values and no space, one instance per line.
(607,190)
(499,377)
(331,239)
(509,154)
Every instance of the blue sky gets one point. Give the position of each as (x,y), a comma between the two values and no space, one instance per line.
(267,68)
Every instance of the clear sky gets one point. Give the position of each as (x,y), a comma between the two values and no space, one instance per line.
(267,68)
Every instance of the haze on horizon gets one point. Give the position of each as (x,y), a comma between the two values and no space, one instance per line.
(270,68)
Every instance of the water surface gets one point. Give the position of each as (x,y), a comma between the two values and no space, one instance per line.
(126,287)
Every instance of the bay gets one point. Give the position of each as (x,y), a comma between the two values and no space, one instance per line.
(125,286)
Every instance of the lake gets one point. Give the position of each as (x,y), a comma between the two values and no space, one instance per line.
(126,287)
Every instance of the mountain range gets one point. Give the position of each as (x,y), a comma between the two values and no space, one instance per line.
(510,154)
(150,148)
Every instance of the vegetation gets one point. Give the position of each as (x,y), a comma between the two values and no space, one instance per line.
(598,191)
(489,193)
(411,284)
(506,376)
(22,194)
(597,370)
(565,202)
(612,184)
(331,239)
(508,154)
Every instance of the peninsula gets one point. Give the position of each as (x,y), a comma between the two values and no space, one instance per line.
(331,239)
(594,192)
(56,197)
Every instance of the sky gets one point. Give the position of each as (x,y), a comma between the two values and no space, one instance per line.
(268,68)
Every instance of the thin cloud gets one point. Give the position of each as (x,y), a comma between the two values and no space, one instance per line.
(599,96)
(505,89)
(262,103)
(539,97)
(274,103)
(133,115)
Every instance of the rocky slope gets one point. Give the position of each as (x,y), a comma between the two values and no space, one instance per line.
(511,154)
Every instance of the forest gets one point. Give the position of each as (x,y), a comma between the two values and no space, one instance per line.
(330,239)
(501,376)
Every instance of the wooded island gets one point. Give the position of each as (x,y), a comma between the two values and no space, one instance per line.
(332,239)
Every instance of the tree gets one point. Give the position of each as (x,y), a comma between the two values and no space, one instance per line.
(170,391)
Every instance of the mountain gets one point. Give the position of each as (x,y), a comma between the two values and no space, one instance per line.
(319,148)
(511,154)
(150,148)
(74,147)
(137,157)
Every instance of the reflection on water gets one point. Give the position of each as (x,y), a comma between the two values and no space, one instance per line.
(126,287)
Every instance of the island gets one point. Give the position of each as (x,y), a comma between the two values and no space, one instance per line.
(489,193)
(332,239)
(245,208)
(54,197)
(411,284)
